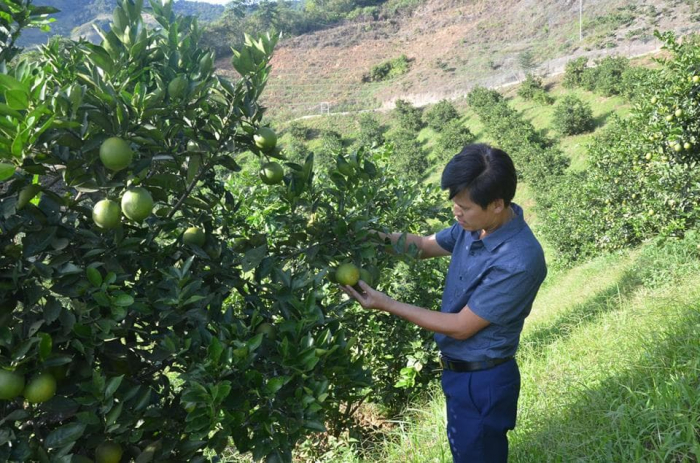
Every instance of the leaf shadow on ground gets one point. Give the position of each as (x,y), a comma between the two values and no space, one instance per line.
(634,413)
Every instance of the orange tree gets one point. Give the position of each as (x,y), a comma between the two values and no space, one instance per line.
(642,178)
(134,337)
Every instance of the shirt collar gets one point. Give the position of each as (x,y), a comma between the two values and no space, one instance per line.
(504,232)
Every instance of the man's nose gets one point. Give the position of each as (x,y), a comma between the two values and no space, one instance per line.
(456,211)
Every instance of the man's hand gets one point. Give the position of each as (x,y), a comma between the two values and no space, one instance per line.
(370,298)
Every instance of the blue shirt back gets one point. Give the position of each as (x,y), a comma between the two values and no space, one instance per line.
(498,278)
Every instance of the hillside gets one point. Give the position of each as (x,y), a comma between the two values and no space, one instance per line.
(453,45)
(76,17)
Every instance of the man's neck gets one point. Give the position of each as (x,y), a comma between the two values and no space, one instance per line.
(506,216)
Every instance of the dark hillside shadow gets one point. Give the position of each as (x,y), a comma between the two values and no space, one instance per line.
(602,119)
(583,313)
(634,413)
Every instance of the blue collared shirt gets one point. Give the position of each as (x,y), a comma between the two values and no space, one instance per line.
(498,278)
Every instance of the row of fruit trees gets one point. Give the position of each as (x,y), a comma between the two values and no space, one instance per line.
(165,275)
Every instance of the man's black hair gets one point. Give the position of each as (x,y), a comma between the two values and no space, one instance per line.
(487,173)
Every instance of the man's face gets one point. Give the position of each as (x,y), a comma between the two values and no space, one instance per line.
(471,216)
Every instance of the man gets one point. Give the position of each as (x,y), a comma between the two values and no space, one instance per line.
(496,269)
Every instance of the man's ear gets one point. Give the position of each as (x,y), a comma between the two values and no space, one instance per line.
(498,205)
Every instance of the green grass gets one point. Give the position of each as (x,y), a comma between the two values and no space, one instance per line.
(610,361)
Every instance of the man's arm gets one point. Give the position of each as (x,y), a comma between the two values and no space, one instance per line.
(427,245)
(461,325)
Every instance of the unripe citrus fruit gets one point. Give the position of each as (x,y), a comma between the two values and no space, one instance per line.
(177,87)
(696,79)
(40,388)
(26,194)
(687,145)
(11,384)
(265,139)
(679,112)
(654,100)
(106,214)
(116,154)
(108,452)
(366,277)
(194,236)
(137,204)
(267,330)
(271,173)
(347,274)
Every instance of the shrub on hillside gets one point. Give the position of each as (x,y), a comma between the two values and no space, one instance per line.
(482,97)
(530,86)
(635,80)
(409,155)
(573,73)
(573,116)
(606,77)
(408,116)
(298,131)
(440,115)
(388,69)
(370,131)
(453,138)
(531,89)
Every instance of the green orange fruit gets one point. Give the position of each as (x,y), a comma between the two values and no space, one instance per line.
(347,274)
(137,204)
(11,384)
(366,276)
(194,236)
(265,139)
(267,330)
(116,154)
(108,452)
(40,388)
(106,214)
(271,173)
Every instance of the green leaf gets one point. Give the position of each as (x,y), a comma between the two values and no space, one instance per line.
(17,99)
(94,276)
(64,435)
(123,300)
(315,425)
(215,349)
(113,385)
(45,345)
(6,171)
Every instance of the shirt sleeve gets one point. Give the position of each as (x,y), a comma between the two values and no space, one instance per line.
(447,237)
(504,295)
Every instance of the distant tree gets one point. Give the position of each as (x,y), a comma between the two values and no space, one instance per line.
(526,61)
(573,116)
(370,130)
(440,115)
(408,116)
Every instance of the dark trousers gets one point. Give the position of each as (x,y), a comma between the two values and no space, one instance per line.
(481,408)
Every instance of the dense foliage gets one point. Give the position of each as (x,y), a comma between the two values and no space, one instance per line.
(388,69)
(204,316)
(643,176)
(440,115)
(573,116)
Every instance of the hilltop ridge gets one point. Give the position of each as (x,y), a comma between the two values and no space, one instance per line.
(454,45)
